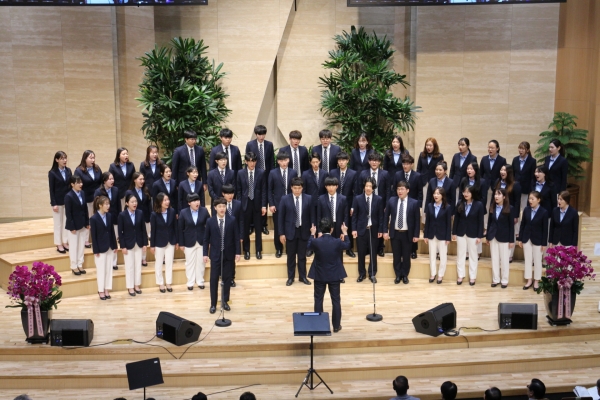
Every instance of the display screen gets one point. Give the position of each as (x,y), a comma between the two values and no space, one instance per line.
(377,3)
(135,3)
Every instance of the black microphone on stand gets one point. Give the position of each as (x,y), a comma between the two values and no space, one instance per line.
(222,322)
(374,317)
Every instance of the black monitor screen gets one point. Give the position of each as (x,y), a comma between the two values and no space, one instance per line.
(135,3)
(377,3)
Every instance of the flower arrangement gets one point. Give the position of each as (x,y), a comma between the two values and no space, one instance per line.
(37,288)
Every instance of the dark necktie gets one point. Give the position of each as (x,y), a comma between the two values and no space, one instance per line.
(375,179)
(296,163)
(284,180)
(261,151)
(251,186)
(223,177)
(229,211)
(192,158)
(297,212)
(326,159)
(342,179)
(227,157)
(406,177)
(317,178)
(222,230)
(401,215)
(368,211)
(332,208)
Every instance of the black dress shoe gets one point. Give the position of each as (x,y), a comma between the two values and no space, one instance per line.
(431,279)
(373,279)
(309,253)
(305,281)
(170,290)
(494,285)
(232,283)
(397,280)
(413,255)
(459,282)
(88,246)
(131,293)
(336,330)
(258,255)
(75,272)
(162,290)
(226,307)
(381,253)
(144,264)
(101,297)
(201,287)
(527,287)
(289,282)
(107,296)
(503,286)
(350,253)
(472,283)
(66,249)
(190,288)
(405,280)
(138,291)
(82,271)
(342,280)
(265,230)
(115,267)
(213,309)
(246,255)
(360,278)
(278,254)
(63,251)
(439,282)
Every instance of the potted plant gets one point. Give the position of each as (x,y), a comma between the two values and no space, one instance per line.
(36,292)
(566,268)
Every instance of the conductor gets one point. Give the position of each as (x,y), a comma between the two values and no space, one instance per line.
(327,270)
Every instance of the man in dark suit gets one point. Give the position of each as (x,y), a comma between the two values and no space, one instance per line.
(222,246)
(347,182)
(251,189)
(327,151)
(189,155)
(328,271)
(265,159)
(295,217)
(298,154)
(403,229)
(232,153)
(278,185)
(489,167)
(367,225)
(334,206)
(414,181)
(218,177)
(314,183)
(234,209)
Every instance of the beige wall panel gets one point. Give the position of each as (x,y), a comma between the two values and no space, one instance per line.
(548,12)
(9,155)
(310,68)
(27,72)
(247,76)
(87,42)
(101,141)
(85,17)
(97,109)
(35,199)
(89,75)
(8,112)
(359,16)
(315,12)
(12,209)
(5,30)
(310,41)
(36,32)
(574,66)
(40,104)
(48,138)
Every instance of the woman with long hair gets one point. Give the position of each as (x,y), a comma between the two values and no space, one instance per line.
(108,190)
(392,160)
(122,170)
(460,162)
(500,237)
(133,239)
(77,222)
(58,183)
(139,189)
(438,216)
(150,167)
(545,188)
(90,175)
(557,165)
(533,239)
(104,242)
(513,191)
(163,240)
(467,230)
(359,159)
(524,169)
(564,223)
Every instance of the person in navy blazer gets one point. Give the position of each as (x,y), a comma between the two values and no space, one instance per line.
(460,160)
(103,241)
(480,186)
(467,231)
(217,177)
(181,160)
(500,237)
(332,151)
(109,190)
(150,167)
(265,161)
(513,191)
(90,175)
(437,233)
(340,204)
(564,222)
(221,259)
(328,271)
(557,165)
(414,181)
(441,180)
(524,169)
(122,170)
(189,186)
(359,158)
(546,189)
(276,190)
(191,227)
(139,189)
(314,183)
(301,157)
(252,209)
(392,158)
(163,240)
(346,187)
(232,153)
(133,239)
(296,237)
(234,209)
(533,239)
(491,164)
(77,222)
(402,233)
(167,186)
(428,160)
(367,235)
(58,183)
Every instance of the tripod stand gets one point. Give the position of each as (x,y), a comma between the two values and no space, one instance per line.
(222,322)
(374,317)
(310,374)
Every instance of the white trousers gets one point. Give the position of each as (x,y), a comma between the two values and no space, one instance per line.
(61,235)
(144,250)
(90,206)
(123,203)
(133,267)
(500,266)
(466,245)
(104,270)
(194,265)
(435,246)
(424,199)
(76,247)
(533,260)
(167,253)
(114,256)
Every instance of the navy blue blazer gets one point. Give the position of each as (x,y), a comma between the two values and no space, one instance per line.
(129,234)
(332,153)
(456,171)
(252,146)
(439,227)
(122,182)
(302,154)
(160,187)
(260,188)
(558,173)
(526,175)
(287,216)
(163,233)
(149,176)
(144,204)
(341,211)
(427,170)
(449,186)
(413,217)
(349,182)
(480,191)
(215,184)
(59,187)
(488,173)
(185,189)
(414,181)
(190,233)
(236,211)
(324,267)
(470,225)
(389,165)
(514,198)
(356,163)
(567,231)
(115,202)
(501,229)
(548,195)
(275,185)
(535,230)
(236,158)
(89,184)
(76,214)
(181,161)
(360,215)
(212,240)
(312,187)
(384,183)
(103,236)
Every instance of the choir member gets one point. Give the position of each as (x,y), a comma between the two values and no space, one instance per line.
(104,245)
(133,239)
(77,222)
(437,233)
(500,237)
(58,183)
(467,230)
(533,239)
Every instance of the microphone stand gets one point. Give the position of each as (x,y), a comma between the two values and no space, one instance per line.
(373,317)
(222,322)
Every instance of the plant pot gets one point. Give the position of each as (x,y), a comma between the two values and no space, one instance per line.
(551,303)
(36,338)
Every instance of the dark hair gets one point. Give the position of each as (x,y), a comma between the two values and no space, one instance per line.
(315,155)
(566,196)
(118,155)
(543,169)
(526,146)
(136,175)
(493,393)
(389,153)
(158,200)
(227,189)
(282,155)
(163,168)
(374,156)
(442,164)
(325,133)
(466,140)
(538,388)
(331,181)
(225,132)
(247,396)
(496,143)
(297,181)
(193,197)
(403,184)
(220,156)
(190,134)
(191,169)
(475,167)
(59,154)
(536,194)
(505,204)
(250,156)
(408,159)
(295,135)
(436,148)
(128,197)
(400,385)
(510,179)
(342,155)
(372,181)
(325,225)
(461,205)
(363,135)
(448,390)
(103,178)
(83,164)
(74,179)
(442,191)
(260,130)
(98,201)
(147,160)
(199,396)
(558,143)
(218,201)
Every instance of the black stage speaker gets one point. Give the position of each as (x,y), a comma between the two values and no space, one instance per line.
(176,330)
(517,316)
(71,332)
(437,320)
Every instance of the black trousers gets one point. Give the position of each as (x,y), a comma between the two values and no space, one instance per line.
(363,243)
(401,248)
(276,229)
(334,293)
(296,248)
(215,272)
(252,217)
(350,228)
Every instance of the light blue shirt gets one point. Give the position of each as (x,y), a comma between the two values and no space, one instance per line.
(437,208)
(91,172)
(533,211)
(363,153)
(124,168)
(503,184)
(63,172)
(194,216)
(153,166)
(471,182)
(103,217)
(492,161)
(440,183)
(168,185)
(498,210)
(192,186)
(462,159)
(165,215)
(109,193)
(429,159)
(539,186)
(562,213)
(396,157)
(522,161)
(132,217)
(79,196)
(140,193)
(551,163)
(468,208)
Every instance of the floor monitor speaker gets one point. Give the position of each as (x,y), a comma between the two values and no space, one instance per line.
(71,332)
(436,321)
(176,330)
(517,316)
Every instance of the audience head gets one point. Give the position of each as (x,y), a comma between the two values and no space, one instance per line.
(492,393)
(400,385)
(449,390)
(536,389)
(247,396)
(199,396)
(26,397)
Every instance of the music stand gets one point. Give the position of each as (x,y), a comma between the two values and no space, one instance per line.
(311,324)
(141,374)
